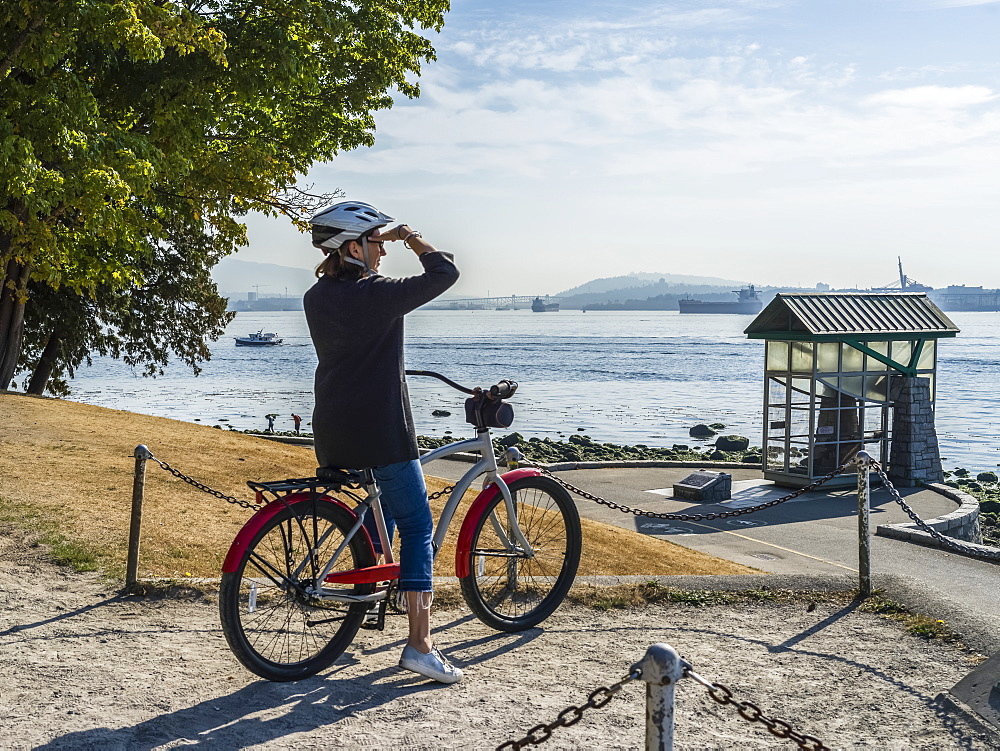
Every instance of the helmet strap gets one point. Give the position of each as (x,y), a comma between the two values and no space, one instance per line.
(364,249)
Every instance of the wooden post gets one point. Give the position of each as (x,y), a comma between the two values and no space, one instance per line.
(138,484)
(864,461)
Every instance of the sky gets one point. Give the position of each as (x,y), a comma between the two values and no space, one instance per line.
(778,142)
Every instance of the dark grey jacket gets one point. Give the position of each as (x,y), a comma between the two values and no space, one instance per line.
(362,415)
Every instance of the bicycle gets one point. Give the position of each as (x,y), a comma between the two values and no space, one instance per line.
(301,575)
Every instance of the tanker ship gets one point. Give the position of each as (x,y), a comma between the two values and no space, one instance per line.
(748,304)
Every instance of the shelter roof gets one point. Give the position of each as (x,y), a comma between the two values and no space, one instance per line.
(808,316)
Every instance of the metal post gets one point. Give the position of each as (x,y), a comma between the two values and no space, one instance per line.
(138,484)
(661,668)
(864,461)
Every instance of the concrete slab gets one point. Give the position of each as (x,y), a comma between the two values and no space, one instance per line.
(813,535)
(980,691)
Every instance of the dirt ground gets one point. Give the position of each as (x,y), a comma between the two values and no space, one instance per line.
(84,667)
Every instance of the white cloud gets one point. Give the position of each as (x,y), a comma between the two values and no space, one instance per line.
(934,97)
(745,150)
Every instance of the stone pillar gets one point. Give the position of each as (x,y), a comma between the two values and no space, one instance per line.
(913,456)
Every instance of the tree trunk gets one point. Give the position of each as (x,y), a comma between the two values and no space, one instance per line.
(12,319)
(43,370)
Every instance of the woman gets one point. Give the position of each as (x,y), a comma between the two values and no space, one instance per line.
(362,417)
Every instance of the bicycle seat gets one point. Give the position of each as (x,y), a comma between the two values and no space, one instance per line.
(337,476)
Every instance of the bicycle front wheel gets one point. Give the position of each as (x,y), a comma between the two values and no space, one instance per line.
(505,588)
(273,625)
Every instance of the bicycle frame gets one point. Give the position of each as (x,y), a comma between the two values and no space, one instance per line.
(486,465)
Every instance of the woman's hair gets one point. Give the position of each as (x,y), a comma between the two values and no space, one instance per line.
(334,264)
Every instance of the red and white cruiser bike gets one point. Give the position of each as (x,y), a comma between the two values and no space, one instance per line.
(301,574)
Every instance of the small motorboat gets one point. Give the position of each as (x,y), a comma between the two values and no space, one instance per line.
(259,339)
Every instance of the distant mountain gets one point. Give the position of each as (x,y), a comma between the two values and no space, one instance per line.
(236,278)
(644,279)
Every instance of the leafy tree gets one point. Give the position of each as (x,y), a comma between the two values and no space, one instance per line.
(175,309)
(113,111)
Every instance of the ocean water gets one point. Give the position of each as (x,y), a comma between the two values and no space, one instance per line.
(619,376)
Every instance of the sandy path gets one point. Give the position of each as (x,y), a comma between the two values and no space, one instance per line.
(84,668)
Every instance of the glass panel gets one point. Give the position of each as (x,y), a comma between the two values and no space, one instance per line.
(776,457)
(852,360)
(827,354)
(800,427)
(883,349)
(776,422)
(853,385)
(777,392)
(802,357)
(926,359)
(875,388)
(777,356)
(902,352)
(826,389)
(874,424)
(826,425)
(801,391)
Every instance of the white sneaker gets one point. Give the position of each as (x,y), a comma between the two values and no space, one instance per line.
(433,665)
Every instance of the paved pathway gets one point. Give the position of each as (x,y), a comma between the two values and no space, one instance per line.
(815,534)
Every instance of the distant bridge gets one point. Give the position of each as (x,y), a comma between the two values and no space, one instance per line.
(511,302)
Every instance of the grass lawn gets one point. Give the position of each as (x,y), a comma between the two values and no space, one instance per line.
(66,474)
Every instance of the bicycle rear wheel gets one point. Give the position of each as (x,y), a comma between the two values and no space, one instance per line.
(273,626)
(507,590)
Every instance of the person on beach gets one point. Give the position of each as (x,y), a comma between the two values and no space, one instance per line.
(362,415)
(270,423)
(298,423)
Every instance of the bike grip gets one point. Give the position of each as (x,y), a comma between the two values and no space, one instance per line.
(503,390)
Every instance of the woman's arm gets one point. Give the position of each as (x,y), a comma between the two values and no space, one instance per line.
(403,295)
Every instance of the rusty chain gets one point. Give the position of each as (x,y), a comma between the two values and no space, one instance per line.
(752,713)
(569,716)
(687,517)
(948,542)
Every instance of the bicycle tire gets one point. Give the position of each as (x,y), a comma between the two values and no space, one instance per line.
(512,593)
(273,627)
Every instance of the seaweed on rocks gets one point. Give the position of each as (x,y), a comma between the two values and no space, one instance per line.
(583,448)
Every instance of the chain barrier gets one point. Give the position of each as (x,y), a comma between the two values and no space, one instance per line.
(569,716)
(752,713)
(443,491)
(247,504)
(687,517)
(949,542)
(203,487)
(720,693)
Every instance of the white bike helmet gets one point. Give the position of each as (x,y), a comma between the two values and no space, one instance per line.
(345,221)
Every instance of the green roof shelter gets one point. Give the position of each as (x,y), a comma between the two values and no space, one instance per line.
(846,371)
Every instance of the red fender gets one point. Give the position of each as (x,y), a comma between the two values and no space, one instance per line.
(245,536)
(491,491)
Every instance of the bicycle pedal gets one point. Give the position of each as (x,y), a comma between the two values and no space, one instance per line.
(374,619)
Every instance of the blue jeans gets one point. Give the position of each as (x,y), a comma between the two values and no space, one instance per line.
(405,506)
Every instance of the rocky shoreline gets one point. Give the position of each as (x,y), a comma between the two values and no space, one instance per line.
(984,486)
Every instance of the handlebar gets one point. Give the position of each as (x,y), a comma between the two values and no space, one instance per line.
(502,390)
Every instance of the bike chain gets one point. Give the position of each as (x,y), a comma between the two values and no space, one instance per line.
(687,517)
(948,542)
(569,716)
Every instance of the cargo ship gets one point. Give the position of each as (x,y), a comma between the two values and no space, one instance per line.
(747,304)
(540,306)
